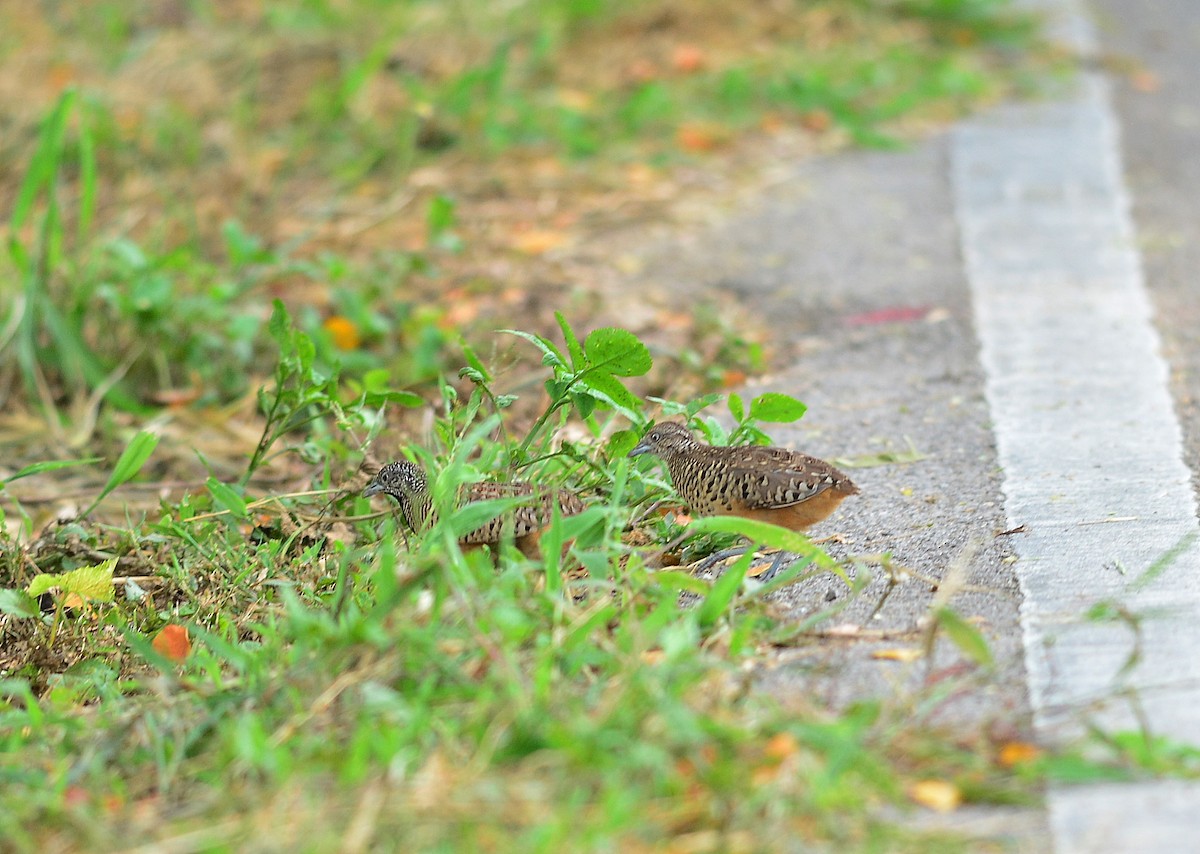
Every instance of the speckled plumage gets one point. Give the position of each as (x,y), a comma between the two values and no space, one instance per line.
(774,485)
(406,482)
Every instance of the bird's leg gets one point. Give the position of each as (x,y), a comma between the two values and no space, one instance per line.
(776,566)
(718,557)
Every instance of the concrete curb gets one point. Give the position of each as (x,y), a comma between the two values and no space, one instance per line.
(1089,443)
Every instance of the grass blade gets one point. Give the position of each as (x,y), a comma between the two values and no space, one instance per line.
(129,464)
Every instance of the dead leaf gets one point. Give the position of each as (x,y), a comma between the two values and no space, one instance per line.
(780,746)
(817,121)
(688,58)
(937,795)
(538,241)
(1017,752)
(1145,80)
(344,332)
(697,138)
(641,70)
(733,378)
(172,642)
(176,397)
(905,654)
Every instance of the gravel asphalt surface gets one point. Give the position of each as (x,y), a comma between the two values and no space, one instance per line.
(868,266)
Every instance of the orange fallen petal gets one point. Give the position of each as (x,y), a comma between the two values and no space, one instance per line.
(172,642)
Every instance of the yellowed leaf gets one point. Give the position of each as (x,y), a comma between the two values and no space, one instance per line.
(937,795)
(897,654)
(538,241)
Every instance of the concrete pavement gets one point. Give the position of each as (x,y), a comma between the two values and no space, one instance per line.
(1024,357)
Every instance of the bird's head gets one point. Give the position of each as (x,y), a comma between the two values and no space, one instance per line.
(406,482)
(665,440)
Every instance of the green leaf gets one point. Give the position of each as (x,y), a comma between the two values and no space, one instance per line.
(766,534)
(478,513)
(617,351)
(776,407)
(87,180)
(280,325)
(43,582)
(736,408)
(574,348)
(584,403)
(227,498)
(965,636)
(44,165)
(723,591)
(620,443)
(400,398)
(550,354)
(475,362)
(612,391)
(18,603)
(129,464)
(49,465)
(90,582)
(673,579)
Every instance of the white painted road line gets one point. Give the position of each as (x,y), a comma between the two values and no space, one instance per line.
(1085,431)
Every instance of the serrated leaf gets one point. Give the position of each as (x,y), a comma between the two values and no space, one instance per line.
(612,389)
(227,498)
(965,636)
(18,603)
(43,582)
(617,351)
(89,582)
(777,408)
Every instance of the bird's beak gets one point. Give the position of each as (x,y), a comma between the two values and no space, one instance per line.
(642,447)
(373,488)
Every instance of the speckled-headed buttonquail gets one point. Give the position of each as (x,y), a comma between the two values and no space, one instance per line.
(406,482)
(774,485)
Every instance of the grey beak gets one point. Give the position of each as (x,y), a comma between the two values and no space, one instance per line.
(373,488)
(642,447)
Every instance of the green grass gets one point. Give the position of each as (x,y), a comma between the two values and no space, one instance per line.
(146,194)
(350,686)
(174,269)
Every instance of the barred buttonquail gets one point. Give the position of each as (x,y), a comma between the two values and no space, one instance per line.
(774,485)
(406,482)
